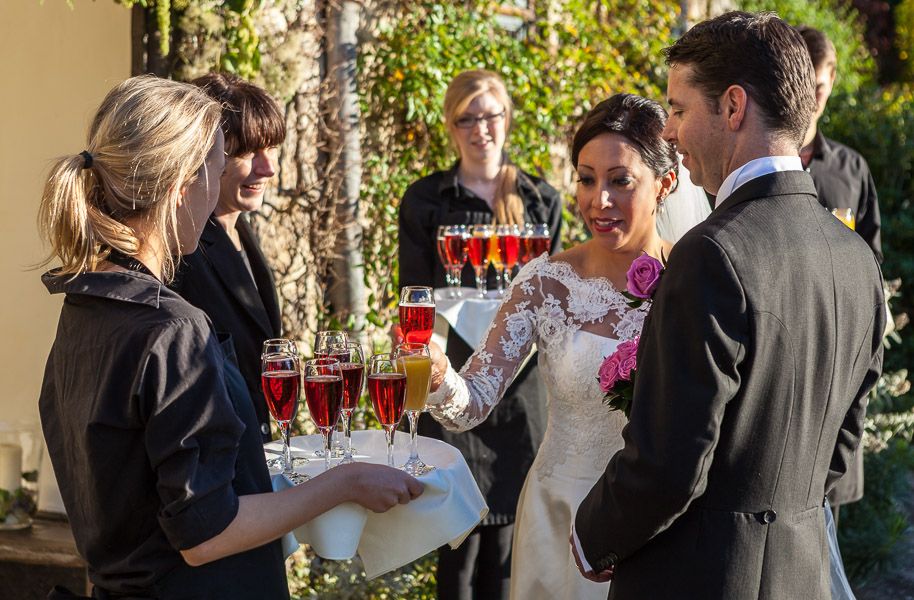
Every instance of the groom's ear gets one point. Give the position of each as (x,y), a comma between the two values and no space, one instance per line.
(735,102)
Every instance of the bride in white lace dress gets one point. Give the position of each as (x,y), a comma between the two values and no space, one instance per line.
(571,308)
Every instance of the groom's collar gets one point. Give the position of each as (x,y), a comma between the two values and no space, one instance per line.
(753,169)
(778,183)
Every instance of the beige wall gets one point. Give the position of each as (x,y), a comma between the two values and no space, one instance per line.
(57,64)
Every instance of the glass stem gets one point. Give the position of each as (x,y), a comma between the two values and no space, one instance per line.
(389,434)
(458,269)
(413,437)
(481,281)
(286,430)
(325,431)
(347,432)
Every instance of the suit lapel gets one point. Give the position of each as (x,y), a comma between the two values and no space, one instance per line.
(230,268)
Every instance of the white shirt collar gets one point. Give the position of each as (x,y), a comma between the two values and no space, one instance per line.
(756,168)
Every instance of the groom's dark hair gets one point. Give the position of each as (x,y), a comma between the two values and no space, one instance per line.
(761,53)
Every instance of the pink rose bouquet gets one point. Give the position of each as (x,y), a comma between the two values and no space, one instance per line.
(643,277)
(617,376)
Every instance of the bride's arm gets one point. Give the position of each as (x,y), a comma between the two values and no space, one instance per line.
(465,399)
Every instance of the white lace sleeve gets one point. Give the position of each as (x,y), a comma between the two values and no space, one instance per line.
(464,400)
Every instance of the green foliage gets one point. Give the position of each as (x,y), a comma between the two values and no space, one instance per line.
(242,51)
(234,27)
(839,21)
(904,40)
(312,577)
(870,528)
(878,123)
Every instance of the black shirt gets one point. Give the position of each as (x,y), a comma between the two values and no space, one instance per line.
(501,449)
(149,448)
(843,180)
(237,292)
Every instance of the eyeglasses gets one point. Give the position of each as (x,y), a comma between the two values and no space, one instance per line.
(471,122)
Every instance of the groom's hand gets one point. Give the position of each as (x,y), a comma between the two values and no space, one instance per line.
(603,577)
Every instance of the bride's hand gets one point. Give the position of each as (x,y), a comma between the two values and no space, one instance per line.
(439,365)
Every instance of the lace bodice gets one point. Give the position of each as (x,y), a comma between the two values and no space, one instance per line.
(574,323)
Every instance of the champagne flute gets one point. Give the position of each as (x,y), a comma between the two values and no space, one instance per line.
(508,248)
(323,341)
(329,337)
(352,364)
(387,389)
(324,393)
(537,240)
(846,216)
(281,379)
(452,249)
(495,255)
(479,238)
(279,345)
(282,346)
(416,363)
(417,313)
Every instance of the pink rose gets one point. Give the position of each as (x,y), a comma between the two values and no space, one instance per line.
(618,366)
(643,276)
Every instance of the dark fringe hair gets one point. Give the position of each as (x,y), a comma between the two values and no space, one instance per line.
(251,119)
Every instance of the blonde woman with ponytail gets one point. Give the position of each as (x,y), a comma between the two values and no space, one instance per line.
(483,186)
(148,424)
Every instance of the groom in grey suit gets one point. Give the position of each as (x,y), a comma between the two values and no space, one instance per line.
(756,358)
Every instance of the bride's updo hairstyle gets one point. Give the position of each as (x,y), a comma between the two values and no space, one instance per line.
(640,121)
(147,141)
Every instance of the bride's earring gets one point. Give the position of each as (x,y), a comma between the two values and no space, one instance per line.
(660,200)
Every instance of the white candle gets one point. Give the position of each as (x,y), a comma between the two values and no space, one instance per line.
(10,466)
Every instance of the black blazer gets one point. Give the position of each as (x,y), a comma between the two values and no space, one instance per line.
(216,280)
(755,361)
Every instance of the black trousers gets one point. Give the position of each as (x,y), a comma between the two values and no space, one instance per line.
(480,569)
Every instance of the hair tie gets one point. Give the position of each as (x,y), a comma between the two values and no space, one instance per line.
(87,158)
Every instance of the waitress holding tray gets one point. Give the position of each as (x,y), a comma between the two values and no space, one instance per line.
(484,186)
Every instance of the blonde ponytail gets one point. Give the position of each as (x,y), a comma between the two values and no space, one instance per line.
(75,228)
(147,141)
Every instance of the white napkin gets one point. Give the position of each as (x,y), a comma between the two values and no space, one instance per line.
(446,512)
(469,316)
(449,508)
